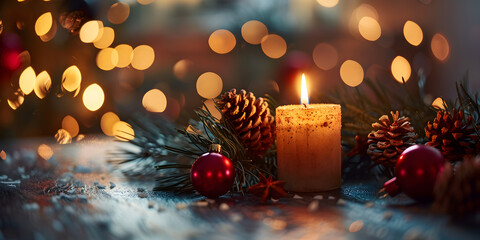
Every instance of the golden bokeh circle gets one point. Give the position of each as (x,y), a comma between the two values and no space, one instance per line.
(351,73)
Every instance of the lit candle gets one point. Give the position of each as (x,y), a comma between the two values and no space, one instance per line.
(308,145)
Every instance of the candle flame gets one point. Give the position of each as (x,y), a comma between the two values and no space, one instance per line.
(304,96)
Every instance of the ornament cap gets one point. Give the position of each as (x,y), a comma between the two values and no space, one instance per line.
(391,187)
(215,148)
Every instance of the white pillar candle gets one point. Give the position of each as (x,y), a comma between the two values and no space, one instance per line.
(308,146)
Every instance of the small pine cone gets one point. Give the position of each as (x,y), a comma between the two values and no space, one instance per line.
(72,21)
(389,139)
(457,191)
(251,119)
(452,135)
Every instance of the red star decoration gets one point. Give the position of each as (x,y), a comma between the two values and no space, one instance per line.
(267,188)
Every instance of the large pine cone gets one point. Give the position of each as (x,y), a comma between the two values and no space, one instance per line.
(389,139)
(251,119)
(452,135)
(458,191)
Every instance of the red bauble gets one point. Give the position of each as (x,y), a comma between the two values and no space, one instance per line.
(212,174)
(416,172)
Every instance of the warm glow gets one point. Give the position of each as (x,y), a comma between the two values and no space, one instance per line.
(71,125)
(123,131)
(107,122)
(253,31)
(93,97)
(274,46)
(181,68)
(43,24)
(413,33)
(438,103)
(328,3)
(154,101)
(107,59)
(118,13)
(125,55)
(71,78)
(143,57)
(15,99)
(401,69)
(209,85)
(91,31)
(45,151)
(43,82)
(106,39)
(440,47)
(351,73)
(222,41)
(304,91)
(27,80)
(212,108)
(63,136)
(325,56)
(369,28)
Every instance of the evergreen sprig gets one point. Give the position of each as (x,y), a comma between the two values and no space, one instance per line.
(170,152)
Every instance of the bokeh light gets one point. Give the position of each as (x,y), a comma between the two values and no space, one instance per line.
(123,131)
(413,33)
(15,99)
(440,47)
(369,28)
(253,31)
(438,103)
(91,31)
(181,68)
(63,137)
(107,122)
(107,59)
(3,155)
(351,73)
(356,226)
(274,46)
(71,78)
(43,24)
(43,82)
(401,69)
(50,34)
(125,55)
(325,56)
(328,3)
(154,101)
(106,39)
(222,41)
(70,124)
(118,12)
(143,57)
(45,151)
(212,108)
(27,80)
(209,85)
(145,2)
(93,97)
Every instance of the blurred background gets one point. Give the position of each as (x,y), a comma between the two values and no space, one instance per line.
(70,68)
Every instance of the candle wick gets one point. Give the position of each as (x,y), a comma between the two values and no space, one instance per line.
(306,106)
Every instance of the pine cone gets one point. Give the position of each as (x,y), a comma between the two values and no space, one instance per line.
(458,191)
(452,135)
(251,119)
(72,21)
(389,139)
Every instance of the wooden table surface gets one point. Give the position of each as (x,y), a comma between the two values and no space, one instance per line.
(31,209)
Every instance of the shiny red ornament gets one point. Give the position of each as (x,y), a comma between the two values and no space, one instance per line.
(212,174)
(416,172)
